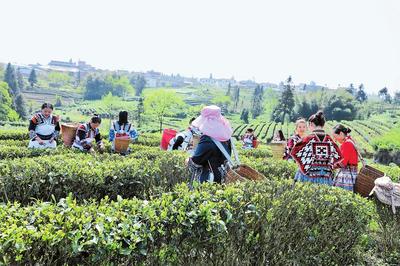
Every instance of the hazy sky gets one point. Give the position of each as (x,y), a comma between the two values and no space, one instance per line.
(331,42)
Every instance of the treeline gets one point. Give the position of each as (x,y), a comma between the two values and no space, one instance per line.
(12,103)
(340,104)
(121,86)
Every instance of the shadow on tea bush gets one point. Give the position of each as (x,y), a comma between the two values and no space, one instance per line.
(265,223)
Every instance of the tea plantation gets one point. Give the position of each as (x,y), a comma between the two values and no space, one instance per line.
(64,207)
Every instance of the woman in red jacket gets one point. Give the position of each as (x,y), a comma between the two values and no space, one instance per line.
(347,175)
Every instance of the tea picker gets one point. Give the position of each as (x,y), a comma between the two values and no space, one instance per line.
(122,133)
(208,163)
(44,128)
(88,135)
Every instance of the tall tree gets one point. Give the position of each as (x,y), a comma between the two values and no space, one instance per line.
(162,103)
(20,81)
(361,96)
(140,111)
(139,83)
(228,92)
(20,106)
(78,78)
(58,101)
(236,97)
(257,102)
(32,78)
(286,104)
(384,95)
(11,79)
(244,116)
(351,89)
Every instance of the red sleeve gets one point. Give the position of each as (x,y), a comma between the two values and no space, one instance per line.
(345,153)
(349,154)
(34,119)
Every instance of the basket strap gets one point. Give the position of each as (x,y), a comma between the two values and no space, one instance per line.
(225,153)
(235,153)
(358,151)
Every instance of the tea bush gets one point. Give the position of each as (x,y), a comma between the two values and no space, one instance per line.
(265,223)
(88,176)
(16,134)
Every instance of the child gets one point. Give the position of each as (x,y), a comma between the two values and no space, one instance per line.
(248,139)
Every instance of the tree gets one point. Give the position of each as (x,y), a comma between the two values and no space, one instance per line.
(228,92)
(20,106)
(11,79)
(139,83)
(6,111)
(351,89)
(396,97)
(20,81)
(32,78)
(119,85)
(286,104)
(244,116)
(98,87)
(340,107)
(162,103)
(303,108)
(1,72)
(140,111)
(257,101)
(361,96)
(236,97)
(58,101)
(384,95)
(78,79)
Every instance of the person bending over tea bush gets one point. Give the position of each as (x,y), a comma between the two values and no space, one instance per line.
(87,134)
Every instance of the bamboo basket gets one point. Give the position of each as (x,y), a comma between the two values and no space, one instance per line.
(278,149)
(365,180)
(68,132)
(121,145)
(233,177)
(243,172)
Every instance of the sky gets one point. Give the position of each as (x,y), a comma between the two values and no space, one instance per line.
(330,42)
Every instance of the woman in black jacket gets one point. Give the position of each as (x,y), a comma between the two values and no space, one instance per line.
(208,158)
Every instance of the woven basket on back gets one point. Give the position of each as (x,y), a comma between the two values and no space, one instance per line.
(121,145)
(365,180)
(243,172)
(68,132)
(278,149)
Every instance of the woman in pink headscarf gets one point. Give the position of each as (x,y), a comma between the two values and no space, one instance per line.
(207,157)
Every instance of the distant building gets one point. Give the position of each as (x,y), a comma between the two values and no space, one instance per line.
(70,66)
(54,63)
(248,84)
(85,67)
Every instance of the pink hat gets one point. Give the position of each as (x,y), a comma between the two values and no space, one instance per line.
(213,124)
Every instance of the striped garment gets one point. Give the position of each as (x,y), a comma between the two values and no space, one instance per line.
(316,180)
(346,178)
